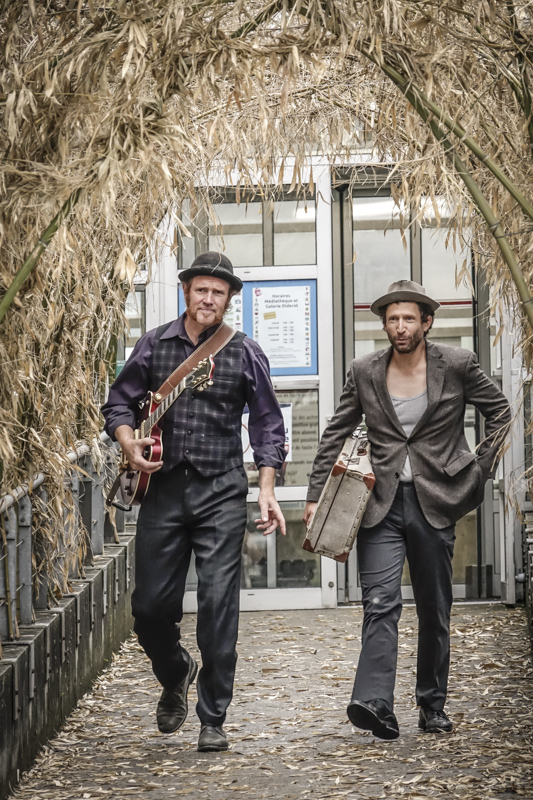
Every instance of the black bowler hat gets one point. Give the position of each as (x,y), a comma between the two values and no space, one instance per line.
(215,265)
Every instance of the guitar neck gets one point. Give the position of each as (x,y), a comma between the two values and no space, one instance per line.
(147,424)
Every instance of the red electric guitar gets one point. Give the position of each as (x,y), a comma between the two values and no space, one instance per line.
(134,483)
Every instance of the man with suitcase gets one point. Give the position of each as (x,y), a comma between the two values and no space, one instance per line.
(413,398)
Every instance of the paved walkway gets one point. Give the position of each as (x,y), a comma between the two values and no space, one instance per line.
(290,737)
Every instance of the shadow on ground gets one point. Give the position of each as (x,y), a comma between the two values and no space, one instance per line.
(290,737)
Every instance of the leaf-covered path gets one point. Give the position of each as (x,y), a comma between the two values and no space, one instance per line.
(290,737)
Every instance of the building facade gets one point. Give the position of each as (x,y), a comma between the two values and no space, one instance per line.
(311,268)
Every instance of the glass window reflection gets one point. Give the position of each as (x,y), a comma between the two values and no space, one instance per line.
(287,565)
(443,258)
(188,243)
(239,233)
(294,232)
(295,567)
(381,249)
(303,439)
(135,314)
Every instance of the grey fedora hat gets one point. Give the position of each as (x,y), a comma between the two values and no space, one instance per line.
(215,265)
(406,292)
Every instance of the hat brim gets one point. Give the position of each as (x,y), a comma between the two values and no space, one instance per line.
(402,297)
(211,272)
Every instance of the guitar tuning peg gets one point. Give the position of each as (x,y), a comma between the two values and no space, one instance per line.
(209,383)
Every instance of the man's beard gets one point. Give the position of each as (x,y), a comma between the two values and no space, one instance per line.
(219,315)
(194,315)
(407,344)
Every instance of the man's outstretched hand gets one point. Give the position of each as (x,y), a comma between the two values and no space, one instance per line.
(269,509)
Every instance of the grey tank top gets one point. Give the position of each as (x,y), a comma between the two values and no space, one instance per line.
(409,410)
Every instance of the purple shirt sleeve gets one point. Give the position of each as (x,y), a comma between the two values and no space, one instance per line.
(129,388)
(266,425)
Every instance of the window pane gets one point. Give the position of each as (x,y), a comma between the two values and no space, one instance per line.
(453,325)
(254,571)
(188,244)
(369,333)
(135,314)
(380,257)
(441,263)
(443,257)
(240,233)
(292,567)
(294,232)
(302,436)
(295,567)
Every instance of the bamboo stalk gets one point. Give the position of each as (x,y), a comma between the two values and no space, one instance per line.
(484,208)
(494,226)
(404,85)
(413,95)
(253,24)
(38,250)
(527,102)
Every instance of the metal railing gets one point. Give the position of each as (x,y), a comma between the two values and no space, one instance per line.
(527,577)
(18,594)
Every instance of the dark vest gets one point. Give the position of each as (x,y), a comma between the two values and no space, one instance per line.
(203,428)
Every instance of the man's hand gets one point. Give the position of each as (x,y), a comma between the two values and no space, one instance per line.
(134,449)
(271,514)
(309,513)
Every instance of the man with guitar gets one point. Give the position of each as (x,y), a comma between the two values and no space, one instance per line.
(196,498)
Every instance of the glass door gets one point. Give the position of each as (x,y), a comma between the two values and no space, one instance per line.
(281,249)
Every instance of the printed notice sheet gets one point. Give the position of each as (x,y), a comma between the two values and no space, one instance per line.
(282,324)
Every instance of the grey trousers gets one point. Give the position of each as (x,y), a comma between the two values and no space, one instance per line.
(182,513)
(381,552)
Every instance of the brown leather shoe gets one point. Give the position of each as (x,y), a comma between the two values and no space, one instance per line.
(376,716)
(172,708)
(212,738)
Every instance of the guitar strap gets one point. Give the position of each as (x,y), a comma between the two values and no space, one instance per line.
(218,340)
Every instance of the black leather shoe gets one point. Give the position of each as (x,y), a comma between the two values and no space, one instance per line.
(434,721)
(212,738)
(376,716)
(172,708)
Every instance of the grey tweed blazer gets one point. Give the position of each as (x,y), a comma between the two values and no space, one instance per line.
(449,479)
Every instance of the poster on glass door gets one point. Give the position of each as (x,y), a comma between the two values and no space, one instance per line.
(248,453)
(282,324)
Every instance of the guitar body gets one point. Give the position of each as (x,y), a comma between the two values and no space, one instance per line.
(134,483)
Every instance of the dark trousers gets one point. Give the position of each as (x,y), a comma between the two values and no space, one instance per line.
(381,552)
(184,512)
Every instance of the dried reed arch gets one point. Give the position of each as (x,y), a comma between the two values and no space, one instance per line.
(114,111)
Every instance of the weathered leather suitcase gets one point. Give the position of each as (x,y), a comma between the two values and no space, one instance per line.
(343,501)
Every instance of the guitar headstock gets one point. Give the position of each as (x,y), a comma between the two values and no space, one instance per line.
(202,375)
